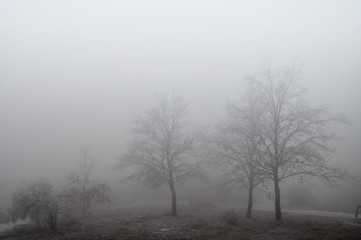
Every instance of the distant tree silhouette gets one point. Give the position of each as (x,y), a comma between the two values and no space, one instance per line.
(83,187)
(235,147)
(164,148)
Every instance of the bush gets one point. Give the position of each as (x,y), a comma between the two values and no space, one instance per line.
(230,217)
(37,203)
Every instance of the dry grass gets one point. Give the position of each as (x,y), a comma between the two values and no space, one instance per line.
(207,223)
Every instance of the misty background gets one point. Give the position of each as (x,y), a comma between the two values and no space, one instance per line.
(75,73)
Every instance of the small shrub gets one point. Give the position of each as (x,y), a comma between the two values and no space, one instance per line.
(71,223)
(340,222)
(230,217)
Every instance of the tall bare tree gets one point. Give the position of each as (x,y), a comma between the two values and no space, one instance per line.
(295,137)
(163,149)
(236,146)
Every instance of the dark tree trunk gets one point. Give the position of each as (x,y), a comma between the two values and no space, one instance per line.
(84,207)
(250,201)
(174,201)
(53,225)
(277,199)
(53,221)
(357,209)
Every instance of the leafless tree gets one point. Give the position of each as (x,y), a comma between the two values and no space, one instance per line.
(37,202)
(295,137)
(236,146)
(84,187)
(163,149)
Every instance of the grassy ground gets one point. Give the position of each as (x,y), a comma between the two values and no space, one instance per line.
(193,223)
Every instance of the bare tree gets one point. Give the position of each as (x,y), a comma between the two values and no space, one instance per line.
(36,202)
(295,138)
(236,146)
(84,187)
(162,151)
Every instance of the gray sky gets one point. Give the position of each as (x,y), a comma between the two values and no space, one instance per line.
(73,73)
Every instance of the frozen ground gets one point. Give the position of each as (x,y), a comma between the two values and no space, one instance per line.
(152,221)
(261,207)
(8,226)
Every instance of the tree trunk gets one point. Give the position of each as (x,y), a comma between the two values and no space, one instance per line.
(84,206)
(250,201)
(357,209)
(53,224)
(277,199)
(53,221)
(174,201)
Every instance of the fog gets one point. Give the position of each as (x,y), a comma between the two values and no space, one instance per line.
(75,73)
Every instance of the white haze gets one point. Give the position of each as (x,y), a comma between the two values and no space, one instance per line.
(74,73)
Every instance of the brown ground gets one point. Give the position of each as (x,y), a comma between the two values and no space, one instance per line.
(193,223)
